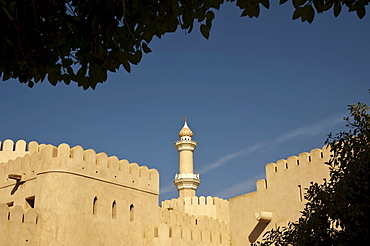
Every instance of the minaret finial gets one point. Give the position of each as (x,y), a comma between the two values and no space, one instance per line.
(185,133)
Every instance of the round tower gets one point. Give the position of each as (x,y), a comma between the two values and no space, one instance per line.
(186,181)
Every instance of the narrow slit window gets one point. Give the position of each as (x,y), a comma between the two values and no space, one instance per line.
(95,205)
(300,197)
(132,212)
(114,209)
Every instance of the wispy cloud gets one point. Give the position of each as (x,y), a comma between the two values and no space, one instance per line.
(249,184)
(240,187)
(167,188)
(226,158)
(315,129)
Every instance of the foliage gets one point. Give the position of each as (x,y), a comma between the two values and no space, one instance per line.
(337,211)
(81,40)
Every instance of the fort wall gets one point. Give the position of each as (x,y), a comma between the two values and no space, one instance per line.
(104,196)
(70,196)
(176,228)
(280,195)
(17,226)
(10,150)
(43,159)
(214,207)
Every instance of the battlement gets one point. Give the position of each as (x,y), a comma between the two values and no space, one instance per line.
(203,201)
(10,150)
(176,228)
(173,217)
(41,159)
(17,215)
(17,226)
(303,163)
(214,207)
(183,235)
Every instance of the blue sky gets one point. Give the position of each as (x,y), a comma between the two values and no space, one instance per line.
(257,91)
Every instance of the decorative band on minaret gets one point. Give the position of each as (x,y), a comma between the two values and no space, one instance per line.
(186,181)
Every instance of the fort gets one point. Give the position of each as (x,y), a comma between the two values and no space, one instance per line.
(70,196)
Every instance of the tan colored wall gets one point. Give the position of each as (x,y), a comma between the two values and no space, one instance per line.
(279,194)
(176,228)
(17,226)
(213,207)
(68,217)
(65,182)
(10,150)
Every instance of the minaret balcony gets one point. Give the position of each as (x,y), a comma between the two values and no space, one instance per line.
(186,181)
(187,176)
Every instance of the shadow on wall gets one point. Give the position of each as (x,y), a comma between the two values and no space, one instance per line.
(257,231)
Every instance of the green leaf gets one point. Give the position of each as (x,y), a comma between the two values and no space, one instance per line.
(80,74)
(265,3)
(53,78)
(327,6)
(136,58)
(297,13)
(7,76)
(361,12)
(210,15)
(255,11)
(245,12)
(67,62)
(297,3)
(204,31)
(30,84)
(310,15)
(67,79)
(337,9)
(12,6)
(126,65)
(146,49)
(148,35)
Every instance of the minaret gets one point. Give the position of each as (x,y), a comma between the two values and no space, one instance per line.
(186,181)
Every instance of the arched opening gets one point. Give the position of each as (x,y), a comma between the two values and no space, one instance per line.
(114,209)
(95,205)
(132,210)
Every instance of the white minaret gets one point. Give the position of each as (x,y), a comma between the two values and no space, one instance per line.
(186,181)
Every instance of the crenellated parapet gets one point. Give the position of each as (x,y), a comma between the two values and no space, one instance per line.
(10,150)
(296,167)
(214,207)
(41,159)
(17,226)
(176,228)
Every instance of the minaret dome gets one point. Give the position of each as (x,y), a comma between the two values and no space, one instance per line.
(185,133)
